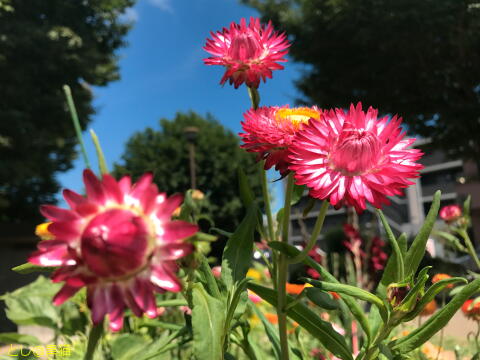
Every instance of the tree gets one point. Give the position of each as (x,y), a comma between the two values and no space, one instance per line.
(45,44)
(217,157)
(418,58)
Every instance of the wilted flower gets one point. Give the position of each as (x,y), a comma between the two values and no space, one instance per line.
(352,157)
(119,241)
(249,52)
(450,213)
(269,132)
(471,309)
(439,277)
(429,309)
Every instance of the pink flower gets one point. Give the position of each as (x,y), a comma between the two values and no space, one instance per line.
(351,157)
(217,271)
(269,131)
(119,241)
(249,52)
(450,213)
(253,297)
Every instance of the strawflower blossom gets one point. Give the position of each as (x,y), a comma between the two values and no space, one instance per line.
(450,213)
(438,277)
(269,131)
(249,52)
(119,242)
(352,157)
(471,309)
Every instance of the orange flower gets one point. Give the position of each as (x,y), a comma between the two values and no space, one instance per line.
(471,309)
(429,309)
(438,277)
(272,318)
(335,295)
(295,289)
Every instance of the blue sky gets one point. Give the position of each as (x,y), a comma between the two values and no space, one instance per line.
(162,72)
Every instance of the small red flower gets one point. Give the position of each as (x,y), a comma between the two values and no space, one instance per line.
(471,309)
(352,157)
(119,242)
(450,213)
(269,131)
(249,52)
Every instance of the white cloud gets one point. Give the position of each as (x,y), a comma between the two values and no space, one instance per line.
(164,5)
(130,15)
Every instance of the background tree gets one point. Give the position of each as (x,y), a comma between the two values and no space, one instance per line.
(217,158)
(418,58)
(44,45)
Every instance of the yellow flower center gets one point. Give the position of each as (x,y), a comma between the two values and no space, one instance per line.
(297,116)
(42,231)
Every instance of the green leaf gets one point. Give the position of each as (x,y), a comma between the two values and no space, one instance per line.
(210,283)
(453,240)
(410,300)
(208,319)
(352,305)
(352,291)
(388,276)
(321,298)
(127,346)
(417,249)
(102,164)
(15,338)
(28,268)
(399,261)
(308,207)
(431,293)
(246,193)
(237,255)
(172,302)
(32,304)
(322,330)
(297,194)
(466,206)
(436,322)
(270,330)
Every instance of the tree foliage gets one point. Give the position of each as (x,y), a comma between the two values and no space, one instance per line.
(217,158)
(43,45)
(418,58)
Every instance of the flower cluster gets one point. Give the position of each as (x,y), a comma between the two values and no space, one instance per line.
(119,242)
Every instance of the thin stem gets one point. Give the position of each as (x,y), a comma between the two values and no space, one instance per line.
(282,273)
(95,335)
(254,97)
(471,250)
(440,344)
(313,237)
(266,200)
(76,123)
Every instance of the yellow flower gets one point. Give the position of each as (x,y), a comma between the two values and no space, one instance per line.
(197,195)
(42,231)
(254,274)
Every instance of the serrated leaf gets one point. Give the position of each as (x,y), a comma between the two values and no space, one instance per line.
(436,322)
(352,305)
(237,255)
(208,319)
(311,322)
(417,249)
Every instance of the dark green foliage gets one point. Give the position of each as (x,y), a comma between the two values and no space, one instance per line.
(45,44)
(217,157)
(418,58)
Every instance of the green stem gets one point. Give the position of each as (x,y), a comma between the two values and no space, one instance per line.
(95,335)
(254,97)
(471,250)
(266,200)
(283,272)
(314,236)
(76,123)
(440,344)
